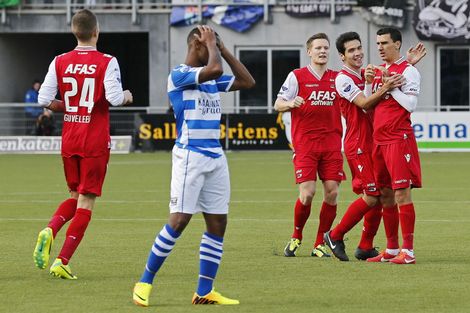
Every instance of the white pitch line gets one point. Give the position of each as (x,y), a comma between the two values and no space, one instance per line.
(283,220)
(233,201)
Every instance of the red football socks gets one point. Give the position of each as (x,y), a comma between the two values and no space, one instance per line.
(371,225)
(301,214)
(62,215)
(353,215)
(327,216)
(407,223)
(75,234)
(391,224)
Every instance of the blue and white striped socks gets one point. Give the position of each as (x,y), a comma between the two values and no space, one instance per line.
(210,254)
(164,243)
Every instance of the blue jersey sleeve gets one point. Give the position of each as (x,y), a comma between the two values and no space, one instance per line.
(224,82)
(184,75)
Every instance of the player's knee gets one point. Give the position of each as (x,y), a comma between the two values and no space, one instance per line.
(370,200)
(403,196)
(331,195)
(306,197)
(178,223)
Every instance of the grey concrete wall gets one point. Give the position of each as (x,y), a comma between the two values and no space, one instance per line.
(167,47)
(19,63)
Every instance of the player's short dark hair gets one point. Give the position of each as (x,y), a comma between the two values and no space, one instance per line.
(84,23)
(317,36)
(194,31)
(344,38)
(395,34)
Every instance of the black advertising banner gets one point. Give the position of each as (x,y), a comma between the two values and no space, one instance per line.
(237,132)
(443,20)
(255,132)
(317,8)
(384,12)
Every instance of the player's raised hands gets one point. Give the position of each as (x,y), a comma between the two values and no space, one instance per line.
(297,102)
(369,73)
(416,53)
(207,36)
(219,42)
(394,81)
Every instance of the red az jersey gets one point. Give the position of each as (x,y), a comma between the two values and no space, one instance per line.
(80,78)
(316,124)
(358,138)
(392,122)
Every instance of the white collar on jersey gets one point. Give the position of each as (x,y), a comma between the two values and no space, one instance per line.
(397,62)
(351,71)
(310,68)
(85,48)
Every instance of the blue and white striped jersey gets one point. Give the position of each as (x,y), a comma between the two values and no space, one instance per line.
(197,109)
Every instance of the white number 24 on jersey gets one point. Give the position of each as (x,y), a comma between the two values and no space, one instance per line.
(86,97)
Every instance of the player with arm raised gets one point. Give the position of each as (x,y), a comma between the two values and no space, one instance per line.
(88,82)
(396,159)
(200,178)
(356,108)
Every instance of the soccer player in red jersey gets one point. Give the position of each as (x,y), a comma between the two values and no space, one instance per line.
(356,104)
(309,94)
(396,159)
(88,82)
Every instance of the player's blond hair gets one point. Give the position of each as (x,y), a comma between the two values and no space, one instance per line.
(316,36)
(84,23)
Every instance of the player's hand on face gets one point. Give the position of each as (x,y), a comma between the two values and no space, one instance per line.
(369,74)
(416,53)
(297,102)
(128,98)
(207,36)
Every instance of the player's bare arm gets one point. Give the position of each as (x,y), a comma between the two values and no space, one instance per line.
(56,106)
(416,53)
(282,105)
(243,78)
(207,39)
(369,102)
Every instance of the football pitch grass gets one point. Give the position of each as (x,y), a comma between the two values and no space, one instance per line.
(134,207)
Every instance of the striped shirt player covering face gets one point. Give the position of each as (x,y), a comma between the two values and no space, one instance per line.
(197,109)
(199,179)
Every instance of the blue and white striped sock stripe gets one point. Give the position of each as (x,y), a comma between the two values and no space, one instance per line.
(164,243)
(210,254)
(211,248)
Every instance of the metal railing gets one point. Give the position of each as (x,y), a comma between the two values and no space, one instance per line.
(134,7)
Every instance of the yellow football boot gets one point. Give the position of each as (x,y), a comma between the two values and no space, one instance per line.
(43,248)
(141,294)
(213,297)
(60,270)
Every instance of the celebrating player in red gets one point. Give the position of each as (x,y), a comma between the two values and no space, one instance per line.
(88,82)
(356,103)
(309,94)
(396,159)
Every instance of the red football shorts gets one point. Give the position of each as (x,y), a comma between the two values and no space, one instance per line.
(329,166)
(362,172)
(397,165)
(85,175)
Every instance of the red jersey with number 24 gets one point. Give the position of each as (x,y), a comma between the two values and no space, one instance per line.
(80,78)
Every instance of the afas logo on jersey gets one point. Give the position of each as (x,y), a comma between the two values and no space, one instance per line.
(322,97)
(81,69)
